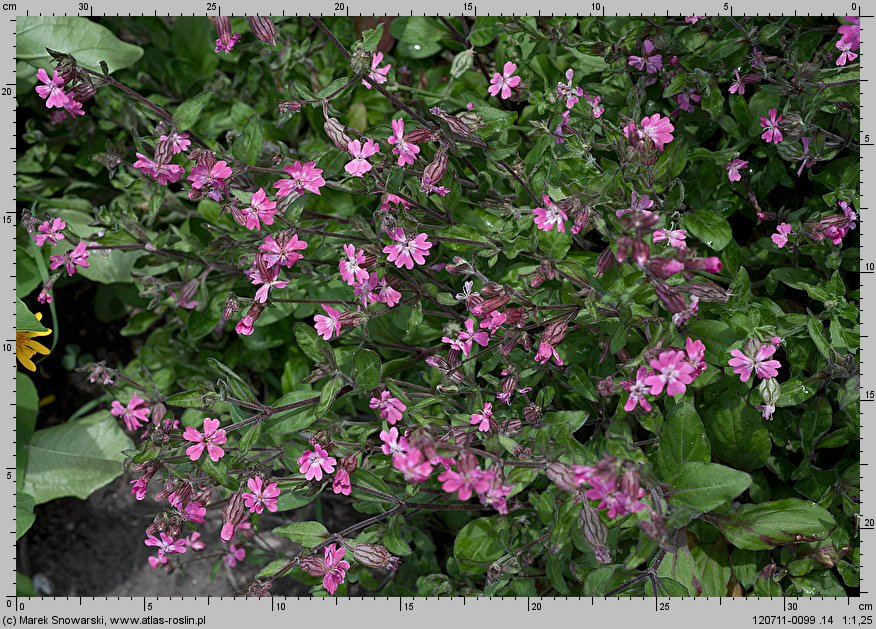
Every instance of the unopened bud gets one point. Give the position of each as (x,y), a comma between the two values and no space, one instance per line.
(312,565)
(82,92)
(232,515)
(375,556)
(709,291)
(263,28)
(434,172)
(418,136)
(555,333)
(337,133)
(605,262)
(562,476)
(531,412)
(605,387)
(594,531)
(671,300)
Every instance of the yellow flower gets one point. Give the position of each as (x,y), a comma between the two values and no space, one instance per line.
(26,347)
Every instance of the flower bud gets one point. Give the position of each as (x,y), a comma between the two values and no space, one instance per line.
(531,413)
(418,136)
(492,304)
(232,515)
(555,333)
(594,531)
(434,172)
(562,476)
(605,387)
(312,565)
(360,61)
(348,463)
(511,426)
(522,452)
(375,556)
(289,107)
(605,262)
(263,28)
(259,589)
(671,300)
(164,150)
(82,92)
(640,252)
(665,267)
(337,133)
(223,28)
(711,264)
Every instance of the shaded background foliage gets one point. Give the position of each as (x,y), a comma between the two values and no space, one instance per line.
(806,295)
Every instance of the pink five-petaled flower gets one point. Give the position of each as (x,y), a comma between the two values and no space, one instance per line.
(216,176)
(637,389)
(166,545)
(261,495)
(266,283)
(314,462)
(392,443)
(406,151)
(51,89)
(657,129)
(303,177)
(360,165)
(406,252)
(733,168)
(464,481)
(50,232)
(649,62)
(261,210)
(282,250)
(179,142)
(781,237)
(672,372)
(377,74)
(545,352)
(772,132)
(463,341)
(135,414)
(696,356)
(482,420)
(162,174)
(413,465)
(571,94)
(504,82)
(845,47)
(390,408)
(595,103)
(234,554)
(546,217)
(77,256)
(210,439)
(335,567)
(693,19)
(341,483)
(638,205)
(326,326)
(760,364)
(673,237)
(351,267)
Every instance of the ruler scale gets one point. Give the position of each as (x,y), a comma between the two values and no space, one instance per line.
(428,612)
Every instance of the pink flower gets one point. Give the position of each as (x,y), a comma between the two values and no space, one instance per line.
(213,179)
(335,567)
(565,90)
(135,414)
(387,294)
(50,232)
(650,62)
(693,19)
(166,545)
(744,365)
(672,372)
(244,327)
(341,483)
(771,124)
(139,487)
(560,131)
(637,204)
(303,177)
(463,341)
(547,217)
(781,237)
(405,252)
(234,554)
(73,108)
(266,284)
(393,202)
(194,511)
(482,420)
(260,209)
(261,495)
(392,443)
(412,465)
(314,462)
(162,174)
(377,74)
(326,326)
(673,237)
(211,439)
(390,408)
(637,389)
(845,47)
(406,151)
(545,352)
(51,90)
(658,130)
(350,268)
(179,142)
(493,321)
(696,356)
(807,160)
(282,250)
(733,169)
(504,82)
(227,44)
(595,105)
(464,481)
(193,541)
(77,256)
(360,165)
(851,32)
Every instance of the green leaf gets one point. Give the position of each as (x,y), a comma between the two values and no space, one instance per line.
(328,395)
(770,524)
(310,342)
(706,486)
(709,227)
(308,534)
(89,42)
(366,369)
(25,321)
(236,385)
(75,458)
(796,391)
(371,37)
(679,567)
(188,112)
(294,419)
(26,409)
(250,438)
(111,267)
(416,30)
(735,429)
(193,398)
(272,568)
(816,333)
(682,439)
(24,517)
(248,144)
(477,545)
